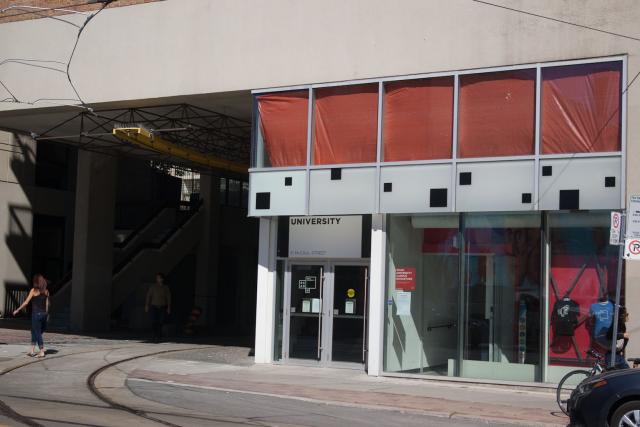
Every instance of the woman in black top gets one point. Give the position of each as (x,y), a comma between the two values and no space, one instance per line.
(39,298)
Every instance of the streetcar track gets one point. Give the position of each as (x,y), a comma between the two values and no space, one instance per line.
(7,411)
(92,387)
(143,414)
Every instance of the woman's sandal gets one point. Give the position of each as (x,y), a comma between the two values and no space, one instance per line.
(39,356)
(32,354)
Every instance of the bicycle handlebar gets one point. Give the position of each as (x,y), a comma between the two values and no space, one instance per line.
(593,353)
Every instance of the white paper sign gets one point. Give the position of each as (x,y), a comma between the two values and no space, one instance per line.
(403,303)
(306,306)
(633,218)
(325,236)
(315,305)
(349,307)
(616,225)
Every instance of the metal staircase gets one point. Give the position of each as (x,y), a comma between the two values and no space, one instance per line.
(159,244)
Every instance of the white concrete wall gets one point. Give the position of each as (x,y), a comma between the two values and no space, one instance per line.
(16,216)
(20,199)
(179,47)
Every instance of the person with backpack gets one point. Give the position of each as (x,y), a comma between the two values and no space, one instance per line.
(622,340)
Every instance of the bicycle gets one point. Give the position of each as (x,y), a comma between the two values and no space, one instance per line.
(577,376)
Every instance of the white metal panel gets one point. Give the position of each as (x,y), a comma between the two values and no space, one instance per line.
(587,175)
(353,193)
(376,295)
(495,186)
(265,293)
(283,199)
(411,188)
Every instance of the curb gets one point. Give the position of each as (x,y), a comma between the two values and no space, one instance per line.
(437,414)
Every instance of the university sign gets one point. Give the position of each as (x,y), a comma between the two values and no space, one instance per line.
(325,237)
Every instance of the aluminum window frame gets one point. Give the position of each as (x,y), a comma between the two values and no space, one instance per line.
(455,159)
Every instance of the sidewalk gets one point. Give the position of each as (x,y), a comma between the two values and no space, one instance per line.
(354,388)
(231,368)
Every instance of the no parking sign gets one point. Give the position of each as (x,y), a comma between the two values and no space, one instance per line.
(632,249)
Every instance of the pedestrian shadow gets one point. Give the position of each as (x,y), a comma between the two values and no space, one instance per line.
(50,351)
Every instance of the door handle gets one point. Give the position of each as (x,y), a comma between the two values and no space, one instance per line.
(320,312)
(364,317)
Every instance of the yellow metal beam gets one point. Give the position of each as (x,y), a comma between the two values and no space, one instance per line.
(145,139)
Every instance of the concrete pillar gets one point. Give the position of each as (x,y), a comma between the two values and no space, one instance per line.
(93,242)
(377,295)
(266,292)
(208,249)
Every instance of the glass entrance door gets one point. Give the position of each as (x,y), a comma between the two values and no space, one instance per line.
(305,311)
(325,319)
(349,313)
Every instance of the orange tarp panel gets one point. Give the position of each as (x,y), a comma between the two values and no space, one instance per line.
(283,122)
(418,119)
(581,108)
(497,114)
(345,124)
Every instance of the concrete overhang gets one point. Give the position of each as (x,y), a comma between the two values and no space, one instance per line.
(214,126)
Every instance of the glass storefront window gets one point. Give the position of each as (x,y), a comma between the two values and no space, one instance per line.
(417,119)
(464,296)
(580,108)
(501,298)
(282,129)
(345,124)
(421,334)
(467,296)
(582,283)
(496,116)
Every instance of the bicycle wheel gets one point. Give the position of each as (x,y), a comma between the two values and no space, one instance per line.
(566,386)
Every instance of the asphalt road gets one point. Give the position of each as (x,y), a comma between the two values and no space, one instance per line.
(56,392)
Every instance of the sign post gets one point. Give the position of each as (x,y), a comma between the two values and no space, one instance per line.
(621,251)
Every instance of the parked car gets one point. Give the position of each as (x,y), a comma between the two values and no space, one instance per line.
(608,399)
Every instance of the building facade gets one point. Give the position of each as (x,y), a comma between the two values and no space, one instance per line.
(452,223)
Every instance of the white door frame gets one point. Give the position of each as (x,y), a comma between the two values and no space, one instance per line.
(326,310)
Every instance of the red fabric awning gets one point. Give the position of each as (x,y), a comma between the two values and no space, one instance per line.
(497,114)
(418,119)
(283,122)
(580,110)
(345,124)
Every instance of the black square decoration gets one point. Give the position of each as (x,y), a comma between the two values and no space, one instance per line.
(526,197)
(465,178)
(388,186)
(547,171)
(336,174)
(609,181)
(263,200)
(438,198)
(570,199)
(288,181)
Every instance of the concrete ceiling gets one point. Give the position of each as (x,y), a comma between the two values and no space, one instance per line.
(39,120)
(64,124)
